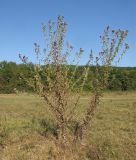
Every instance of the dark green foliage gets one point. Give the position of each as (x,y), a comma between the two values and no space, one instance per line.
(11,81)
(122,78)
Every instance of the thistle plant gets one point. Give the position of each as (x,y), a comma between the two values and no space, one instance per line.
(56,79)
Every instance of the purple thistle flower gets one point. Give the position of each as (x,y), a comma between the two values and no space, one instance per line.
(35,44)
(55,43)
(19,55)
(23,58)
(108,28)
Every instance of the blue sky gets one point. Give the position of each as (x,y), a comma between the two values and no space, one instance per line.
(20,24)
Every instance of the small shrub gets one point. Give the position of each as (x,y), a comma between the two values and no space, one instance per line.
(55,78)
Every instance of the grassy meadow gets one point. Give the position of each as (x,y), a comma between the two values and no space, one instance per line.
(23,137)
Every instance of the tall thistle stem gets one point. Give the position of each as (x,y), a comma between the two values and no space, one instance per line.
(56,80)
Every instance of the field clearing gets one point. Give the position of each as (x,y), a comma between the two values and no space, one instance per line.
(113,131)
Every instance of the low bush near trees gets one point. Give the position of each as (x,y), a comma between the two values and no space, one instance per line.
(55,78)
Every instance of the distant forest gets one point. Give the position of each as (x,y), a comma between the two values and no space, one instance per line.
(11,81)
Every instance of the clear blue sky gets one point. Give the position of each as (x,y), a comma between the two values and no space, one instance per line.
(20,24)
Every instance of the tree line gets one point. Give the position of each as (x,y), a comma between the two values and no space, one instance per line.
(12,78)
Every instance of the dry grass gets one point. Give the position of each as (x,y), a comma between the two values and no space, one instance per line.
(112,136)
